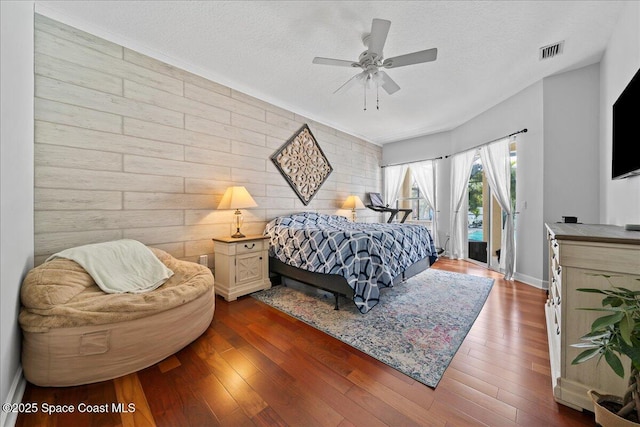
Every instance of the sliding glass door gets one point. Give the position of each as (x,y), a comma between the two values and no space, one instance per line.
(477,228)
(485,217)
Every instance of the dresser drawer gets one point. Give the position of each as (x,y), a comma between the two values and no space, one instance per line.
(601,256)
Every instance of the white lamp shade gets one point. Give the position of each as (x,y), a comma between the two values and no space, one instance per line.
(353,202)
(237,198)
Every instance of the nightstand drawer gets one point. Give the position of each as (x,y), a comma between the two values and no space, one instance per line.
(249,246)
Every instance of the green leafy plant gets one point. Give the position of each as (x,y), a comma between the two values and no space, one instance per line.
(615,334)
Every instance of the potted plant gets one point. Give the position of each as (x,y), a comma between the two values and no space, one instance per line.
(615,334)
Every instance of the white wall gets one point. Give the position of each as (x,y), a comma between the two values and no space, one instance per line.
(571,156)
(620,198)
(16,182)
(561,115)
(571,129)
(565,128)
(419,148)
(523,110)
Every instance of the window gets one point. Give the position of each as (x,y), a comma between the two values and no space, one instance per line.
(413,199)
(421,209)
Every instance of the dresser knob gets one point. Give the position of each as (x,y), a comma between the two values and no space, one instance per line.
(252,246)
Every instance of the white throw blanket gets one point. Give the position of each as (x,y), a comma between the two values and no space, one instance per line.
(119,266)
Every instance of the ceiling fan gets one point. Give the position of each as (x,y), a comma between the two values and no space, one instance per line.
(372,60)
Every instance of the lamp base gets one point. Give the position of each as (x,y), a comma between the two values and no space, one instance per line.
(238,223)
(238,234)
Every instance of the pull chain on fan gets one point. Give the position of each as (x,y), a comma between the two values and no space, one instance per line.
(369,80)
(365,97)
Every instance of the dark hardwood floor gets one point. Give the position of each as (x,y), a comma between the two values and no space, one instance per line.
(256,366)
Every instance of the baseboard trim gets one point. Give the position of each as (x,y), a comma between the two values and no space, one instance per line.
(16,391)
(531,281)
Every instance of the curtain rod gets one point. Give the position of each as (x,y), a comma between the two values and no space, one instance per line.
(487,143)
(413,161)
(449,155)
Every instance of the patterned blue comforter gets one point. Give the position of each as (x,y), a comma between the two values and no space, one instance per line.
(367,255)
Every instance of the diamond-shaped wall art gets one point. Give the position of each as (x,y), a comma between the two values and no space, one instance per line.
(303,164)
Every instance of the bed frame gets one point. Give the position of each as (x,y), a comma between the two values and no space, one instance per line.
(333,283)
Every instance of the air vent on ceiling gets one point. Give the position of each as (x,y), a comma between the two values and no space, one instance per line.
(551,50)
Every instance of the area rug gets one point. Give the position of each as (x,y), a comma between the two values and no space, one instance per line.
(416,328)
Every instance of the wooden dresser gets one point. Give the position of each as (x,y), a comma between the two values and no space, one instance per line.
(576,251)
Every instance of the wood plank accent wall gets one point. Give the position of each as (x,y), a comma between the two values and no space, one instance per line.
(130,147)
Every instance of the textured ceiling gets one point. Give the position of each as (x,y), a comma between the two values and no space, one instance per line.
(487,51)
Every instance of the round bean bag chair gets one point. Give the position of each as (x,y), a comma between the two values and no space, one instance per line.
(75,333)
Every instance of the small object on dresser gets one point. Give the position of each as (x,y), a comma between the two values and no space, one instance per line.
(632,227)
(570,219)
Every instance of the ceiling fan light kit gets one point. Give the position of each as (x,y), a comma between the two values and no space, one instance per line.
(371,60)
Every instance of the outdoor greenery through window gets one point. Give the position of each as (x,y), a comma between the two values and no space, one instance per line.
(476,196)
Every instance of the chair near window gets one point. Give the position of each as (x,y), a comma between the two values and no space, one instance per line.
(377,204)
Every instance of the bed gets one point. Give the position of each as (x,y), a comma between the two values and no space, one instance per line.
(346,258)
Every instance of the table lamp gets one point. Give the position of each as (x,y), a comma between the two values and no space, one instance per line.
(353,203)
(237,198)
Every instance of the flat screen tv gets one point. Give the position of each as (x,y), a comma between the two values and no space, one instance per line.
(625,160)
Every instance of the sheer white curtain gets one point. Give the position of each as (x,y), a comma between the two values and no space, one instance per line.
(497,169)
(424,173)
(393,176)
(460,172)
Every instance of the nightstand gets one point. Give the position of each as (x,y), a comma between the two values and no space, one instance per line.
(241,265)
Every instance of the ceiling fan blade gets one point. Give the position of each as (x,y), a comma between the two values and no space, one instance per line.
(350,83)
(388,84)
(330,61)
(378,36)
(411,58)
